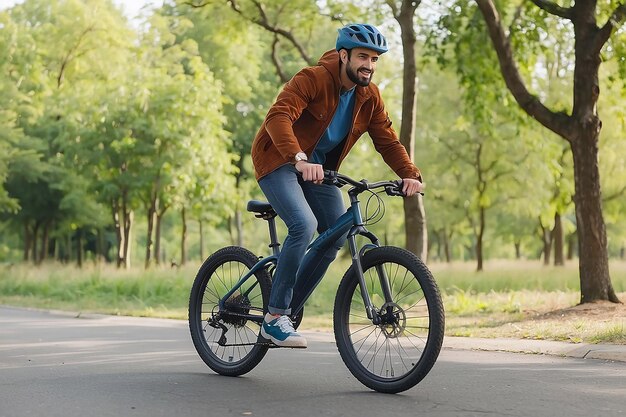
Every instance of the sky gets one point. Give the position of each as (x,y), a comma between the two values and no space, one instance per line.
(131,7)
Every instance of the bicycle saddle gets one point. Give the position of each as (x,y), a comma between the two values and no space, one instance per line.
(256,206)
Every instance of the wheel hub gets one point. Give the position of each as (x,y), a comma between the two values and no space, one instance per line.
(392,319)
(236,305)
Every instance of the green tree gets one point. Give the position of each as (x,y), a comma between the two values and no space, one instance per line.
(12,153)
(237,56)
(521,43)
(581,128)
(151,139)
(59,51)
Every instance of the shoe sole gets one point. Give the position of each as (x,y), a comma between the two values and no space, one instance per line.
(281,343)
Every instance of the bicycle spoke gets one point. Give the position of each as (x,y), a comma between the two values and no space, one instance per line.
(365,339)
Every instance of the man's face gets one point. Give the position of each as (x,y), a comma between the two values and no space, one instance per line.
(360,66)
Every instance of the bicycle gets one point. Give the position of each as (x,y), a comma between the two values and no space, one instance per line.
(388,317)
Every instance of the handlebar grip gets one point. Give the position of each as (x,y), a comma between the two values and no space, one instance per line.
(397,189)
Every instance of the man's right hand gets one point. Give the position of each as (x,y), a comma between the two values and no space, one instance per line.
(310,172)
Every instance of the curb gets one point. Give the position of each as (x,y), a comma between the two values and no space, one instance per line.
(616,353)
(541,347)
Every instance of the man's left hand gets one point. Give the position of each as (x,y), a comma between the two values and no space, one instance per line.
(411,186)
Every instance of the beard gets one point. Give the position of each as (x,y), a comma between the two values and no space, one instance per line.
(358,79)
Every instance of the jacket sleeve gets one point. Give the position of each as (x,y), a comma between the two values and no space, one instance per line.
(388,145)
(289,105)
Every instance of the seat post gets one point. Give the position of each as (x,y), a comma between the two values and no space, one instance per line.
(273,237)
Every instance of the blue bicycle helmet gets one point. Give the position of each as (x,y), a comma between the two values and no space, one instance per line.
(358,35)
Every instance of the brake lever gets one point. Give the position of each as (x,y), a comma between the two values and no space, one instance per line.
(397,189)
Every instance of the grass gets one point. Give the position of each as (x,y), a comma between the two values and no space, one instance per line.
(102,289)
(509,299)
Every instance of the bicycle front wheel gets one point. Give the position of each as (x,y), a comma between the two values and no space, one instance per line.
(227,340)
(397,353)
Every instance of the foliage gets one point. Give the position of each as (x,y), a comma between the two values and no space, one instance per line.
(94,110)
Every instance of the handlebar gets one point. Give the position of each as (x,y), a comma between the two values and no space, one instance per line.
(392,187)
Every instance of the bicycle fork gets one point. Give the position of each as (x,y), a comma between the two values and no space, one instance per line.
(370,310)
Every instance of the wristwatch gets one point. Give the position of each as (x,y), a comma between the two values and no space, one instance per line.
(300,156)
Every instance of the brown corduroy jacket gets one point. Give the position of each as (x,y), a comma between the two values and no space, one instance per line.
(304,109)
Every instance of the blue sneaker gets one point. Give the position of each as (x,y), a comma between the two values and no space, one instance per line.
(281,332)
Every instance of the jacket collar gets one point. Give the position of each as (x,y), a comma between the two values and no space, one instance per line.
(330,61)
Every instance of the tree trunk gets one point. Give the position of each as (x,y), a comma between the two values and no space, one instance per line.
(595,281)
(183,239)
(546,240)
(119,235)
(571,246)
(35,237)
(439,239)
(416,236)
(151,212)
(79,247)
(446,246)
(68,249)
(45,240)
(127,219)
(157,237)
(28,242)
(128,223)
(200,224)
(479,241)
(239,226)
(557,239)
(518,249)
(100,250)
(55,251)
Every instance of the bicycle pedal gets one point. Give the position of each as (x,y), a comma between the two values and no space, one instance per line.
(261,341)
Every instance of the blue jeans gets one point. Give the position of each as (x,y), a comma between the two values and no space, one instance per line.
(304,207)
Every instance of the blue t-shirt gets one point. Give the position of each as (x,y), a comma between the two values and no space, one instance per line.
(337,129)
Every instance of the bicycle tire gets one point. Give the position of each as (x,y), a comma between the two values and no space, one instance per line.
(413,336)
(218,275)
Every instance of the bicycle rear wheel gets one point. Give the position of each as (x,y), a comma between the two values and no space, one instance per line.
(226,341)
(398,353)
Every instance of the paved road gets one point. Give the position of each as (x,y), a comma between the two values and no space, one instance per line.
(59,365)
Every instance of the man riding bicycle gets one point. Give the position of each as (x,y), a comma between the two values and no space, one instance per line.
(316,119)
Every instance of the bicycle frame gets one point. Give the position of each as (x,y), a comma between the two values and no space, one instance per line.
(351,222)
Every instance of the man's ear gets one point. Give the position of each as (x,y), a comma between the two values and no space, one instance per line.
(343,55)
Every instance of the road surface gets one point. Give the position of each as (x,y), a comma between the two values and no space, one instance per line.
(56,364)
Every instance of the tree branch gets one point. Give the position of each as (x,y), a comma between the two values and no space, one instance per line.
(276,61)
(334,17)
(394,8)
(265,24)
(556,122)
(614,21)
(262,21)
(69,56)
(555,9)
